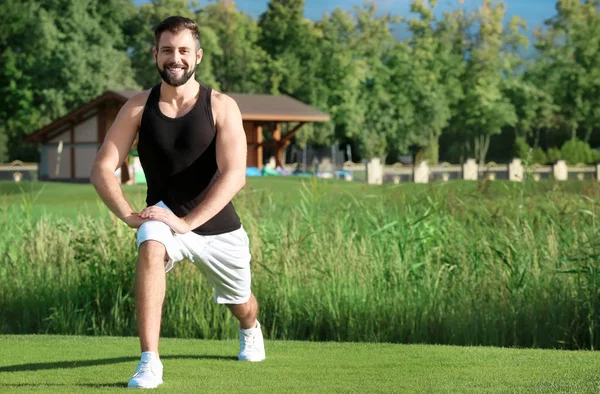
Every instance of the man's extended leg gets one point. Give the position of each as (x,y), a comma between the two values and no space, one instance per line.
(150,283)
(252,347)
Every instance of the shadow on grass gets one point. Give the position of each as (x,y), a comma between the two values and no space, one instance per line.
(104,361)
(89,385)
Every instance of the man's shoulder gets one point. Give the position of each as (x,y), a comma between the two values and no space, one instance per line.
(221,100)
(135,105)
(223,106)
(139,99)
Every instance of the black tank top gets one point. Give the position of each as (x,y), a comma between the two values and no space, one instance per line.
(178,156)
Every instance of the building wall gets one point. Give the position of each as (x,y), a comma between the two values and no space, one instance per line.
(43,168)
(253,138)
(84,159)
(87,131)
(64,136)
(62,160)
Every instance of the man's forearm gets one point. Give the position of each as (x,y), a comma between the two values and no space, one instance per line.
(110,192)
(220,194)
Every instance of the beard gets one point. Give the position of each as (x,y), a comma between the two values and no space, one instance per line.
(172,79)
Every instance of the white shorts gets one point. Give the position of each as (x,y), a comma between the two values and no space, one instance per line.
(224,259)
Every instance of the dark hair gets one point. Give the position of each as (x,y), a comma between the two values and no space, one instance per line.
(176,24)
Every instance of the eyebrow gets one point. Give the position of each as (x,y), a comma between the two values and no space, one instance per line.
(172,47)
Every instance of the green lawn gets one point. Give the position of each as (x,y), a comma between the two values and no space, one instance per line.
(76,364)
(70,200)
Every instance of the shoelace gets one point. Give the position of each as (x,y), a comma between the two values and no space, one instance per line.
(250,341)
(145,366)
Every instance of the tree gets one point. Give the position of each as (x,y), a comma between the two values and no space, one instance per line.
(570,53)
(485,109)
(293,66)
(434,83)
(56,55)
(534,107)
(240,64)
(384,106)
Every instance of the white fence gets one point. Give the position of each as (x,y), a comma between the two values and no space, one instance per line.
(515,171)
(374,172)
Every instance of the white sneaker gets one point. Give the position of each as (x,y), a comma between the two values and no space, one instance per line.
(252,345)
(148,374)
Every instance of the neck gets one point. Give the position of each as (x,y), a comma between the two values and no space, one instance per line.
(184,92)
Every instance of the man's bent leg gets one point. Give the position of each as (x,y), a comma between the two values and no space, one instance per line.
(252,346)
(246,313)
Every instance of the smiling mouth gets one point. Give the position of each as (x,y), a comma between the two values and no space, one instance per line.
(175,69)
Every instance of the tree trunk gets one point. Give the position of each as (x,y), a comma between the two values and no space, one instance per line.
(482,144)
(588,135)
(486,147)
(466,152)
(536,140)
(434,147)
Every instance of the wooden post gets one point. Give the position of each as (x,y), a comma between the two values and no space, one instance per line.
(374,172)
(421,172)
(470,170)
(258,137)
(561,171)
(278,147)
(283,142)
(515,171)
(277,132)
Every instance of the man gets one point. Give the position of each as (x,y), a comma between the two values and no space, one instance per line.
(192,147)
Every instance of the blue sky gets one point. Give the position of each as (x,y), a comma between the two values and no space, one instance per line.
(534,11)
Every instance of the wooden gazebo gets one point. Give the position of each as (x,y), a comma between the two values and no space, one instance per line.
(258,110)
(69,144)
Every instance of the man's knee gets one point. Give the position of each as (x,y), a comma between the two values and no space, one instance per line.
(247,308)
(151,250)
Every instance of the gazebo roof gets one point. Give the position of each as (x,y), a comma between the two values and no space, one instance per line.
(254,107)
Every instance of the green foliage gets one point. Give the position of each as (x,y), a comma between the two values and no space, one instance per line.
(432,78)
(56,56)
(460,73)
(538,156)
(579,152)
(238,64)
(485,108)
(344,262)
(553,155)
(570,52)
(527,154)
(521,149)
(3,147)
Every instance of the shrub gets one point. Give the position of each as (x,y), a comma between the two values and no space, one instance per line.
(576,151)
(521,148)
(553,155)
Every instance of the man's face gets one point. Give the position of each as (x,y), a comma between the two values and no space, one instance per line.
(176,57)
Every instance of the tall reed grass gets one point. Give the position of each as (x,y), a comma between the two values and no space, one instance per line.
(434,265)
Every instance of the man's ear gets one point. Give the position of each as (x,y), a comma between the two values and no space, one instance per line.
(154,52)
(199,55)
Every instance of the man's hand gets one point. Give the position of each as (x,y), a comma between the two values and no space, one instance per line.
(134,220)
(177,224)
